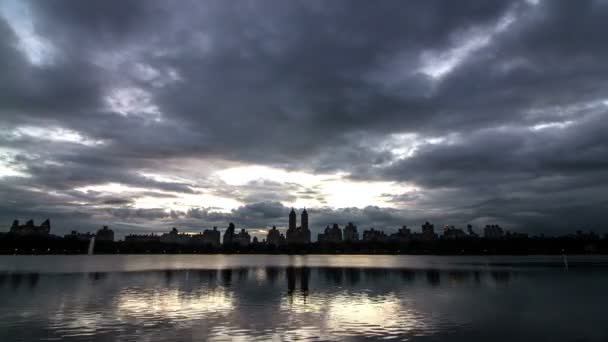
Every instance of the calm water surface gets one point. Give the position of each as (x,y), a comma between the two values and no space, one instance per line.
(283,298)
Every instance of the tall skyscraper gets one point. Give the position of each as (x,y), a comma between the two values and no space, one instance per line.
(292,219)
(304,219)
(350,232)
(229,234)
(428,231)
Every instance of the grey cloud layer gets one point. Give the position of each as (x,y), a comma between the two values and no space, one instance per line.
(315,86)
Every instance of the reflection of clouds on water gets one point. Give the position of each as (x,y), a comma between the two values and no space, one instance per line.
(274,303)
(351,314)
(172,304)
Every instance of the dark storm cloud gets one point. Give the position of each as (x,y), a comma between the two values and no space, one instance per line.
(313,86)
(306,64)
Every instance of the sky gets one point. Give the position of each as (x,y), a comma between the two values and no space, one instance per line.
(144,115)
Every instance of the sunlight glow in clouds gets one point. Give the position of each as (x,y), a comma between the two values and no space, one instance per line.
(110,188)
(8,167)
(242,175)
(166,200)
(184,202)
(336,190)
(342,194)
(7,170)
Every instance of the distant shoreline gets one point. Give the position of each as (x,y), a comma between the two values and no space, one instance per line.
(312,254)
(51,245)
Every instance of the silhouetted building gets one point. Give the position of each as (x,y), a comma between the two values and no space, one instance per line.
(333,234)
(104,234)
(29,229)
(580,235)
(304,219)
(292,220)
(402,235)
(373,235)
(428,232)
(242,238)
(76,236)
(208,237)
(453,233)
(275,238)
(175,237)
(142,238)
(229,234)
(350,232)
(493,232)
(470,231)
(515,236)
(298,235)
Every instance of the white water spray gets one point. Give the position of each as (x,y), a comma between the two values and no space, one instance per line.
(91,246)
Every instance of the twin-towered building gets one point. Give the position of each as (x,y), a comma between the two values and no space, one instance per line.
(301,234)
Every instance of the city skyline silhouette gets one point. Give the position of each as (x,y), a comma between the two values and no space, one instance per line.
(298,239)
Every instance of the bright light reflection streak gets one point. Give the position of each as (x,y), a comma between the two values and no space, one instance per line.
(172,304)
(356,313)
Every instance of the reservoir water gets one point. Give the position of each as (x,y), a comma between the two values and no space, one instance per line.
(306,298)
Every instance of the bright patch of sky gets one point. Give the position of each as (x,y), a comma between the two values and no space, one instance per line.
(183,202)
(546,125)
(242,175)
(437,64)
(132,101)
(36,48)
(155,77)
(405,145)
(336,189)
(172,201)
(164,178)
(56,133)
(574,111)
(8,166)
